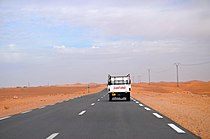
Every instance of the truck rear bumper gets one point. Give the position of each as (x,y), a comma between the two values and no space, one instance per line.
(119,94)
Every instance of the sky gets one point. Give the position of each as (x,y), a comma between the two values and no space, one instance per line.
(82,41)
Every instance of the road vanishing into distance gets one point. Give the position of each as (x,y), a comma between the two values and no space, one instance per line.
(92,117)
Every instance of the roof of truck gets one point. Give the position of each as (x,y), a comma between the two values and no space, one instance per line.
(116,76)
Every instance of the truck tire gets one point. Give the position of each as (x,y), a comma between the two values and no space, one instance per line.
(128,97)
(110,97)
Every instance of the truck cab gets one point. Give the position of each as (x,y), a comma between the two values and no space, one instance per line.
(119,87)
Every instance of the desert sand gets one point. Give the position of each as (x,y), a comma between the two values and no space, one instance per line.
(188,105)
(16,100)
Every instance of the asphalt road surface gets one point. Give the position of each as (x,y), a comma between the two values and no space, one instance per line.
(92,117)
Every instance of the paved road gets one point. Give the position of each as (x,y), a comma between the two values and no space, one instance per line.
(92,117)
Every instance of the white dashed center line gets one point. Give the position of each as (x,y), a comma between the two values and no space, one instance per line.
(177,129)
(82,112)
(93,104)
(98,100)
(157,115)
(5,117)
(26,111)
(148,109)
(52,136)
(141,105)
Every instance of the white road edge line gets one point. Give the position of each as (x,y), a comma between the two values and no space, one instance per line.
(148,109)
(5,117)
(141,105)
(137,102)
(157,115)
(26,111)
(92,104)
(42,107)
(177,129)
(82,112)
(52,136)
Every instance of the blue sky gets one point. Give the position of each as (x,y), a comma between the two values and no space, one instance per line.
(83,41)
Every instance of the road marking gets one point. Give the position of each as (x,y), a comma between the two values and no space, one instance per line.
(26,111)
(137,102)
(82,112)
(42,107)
(157,115)
(98,100)
(148,109)
(178,130)
(93,104)
(5,117)
(141,105)
(52,136)
(101,97)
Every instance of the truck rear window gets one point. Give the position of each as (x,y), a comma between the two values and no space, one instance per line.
(119,82)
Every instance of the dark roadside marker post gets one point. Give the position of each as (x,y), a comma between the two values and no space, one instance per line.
(88,88)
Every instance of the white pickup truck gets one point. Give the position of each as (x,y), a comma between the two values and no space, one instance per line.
(119,86)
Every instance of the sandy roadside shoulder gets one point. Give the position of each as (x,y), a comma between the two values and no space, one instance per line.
(186,108)
(25,100)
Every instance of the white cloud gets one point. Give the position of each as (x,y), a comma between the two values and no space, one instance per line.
(131,48)
(159,21)
(11,46)
(95,47)
(59,46)
(10,54)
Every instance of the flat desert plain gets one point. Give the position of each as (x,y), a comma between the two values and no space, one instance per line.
(16,100)
(188,104)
